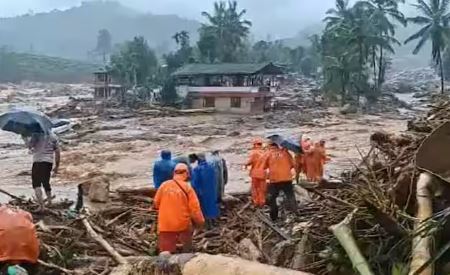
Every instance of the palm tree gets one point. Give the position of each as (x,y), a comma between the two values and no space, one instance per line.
(226,23)
(381,13)
(434,18)
(182,38)
(339,15)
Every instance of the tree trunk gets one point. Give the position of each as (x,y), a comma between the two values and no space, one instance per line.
(442,72)
(343,93)
(374,64)
(380,67)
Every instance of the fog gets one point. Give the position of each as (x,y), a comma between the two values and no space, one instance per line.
(277,18)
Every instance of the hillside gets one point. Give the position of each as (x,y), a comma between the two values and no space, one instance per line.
(73,32)
(15,67)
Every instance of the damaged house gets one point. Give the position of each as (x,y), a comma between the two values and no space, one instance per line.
(227,87)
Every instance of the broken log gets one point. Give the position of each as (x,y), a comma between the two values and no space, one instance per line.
(421,248)
(12,196)
(344,235)
(265,220)
(94,235)
(143,191)
(202,264)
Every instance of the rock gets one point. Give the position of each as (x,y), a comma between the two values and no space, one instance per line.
(99,191)
(348,109)
(249,251)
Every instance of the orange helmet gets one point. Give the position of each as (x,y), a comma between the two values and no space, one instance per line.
(257,141)
(181,168)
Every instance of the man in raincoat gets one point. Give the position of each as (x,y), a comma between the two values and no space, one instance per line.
(301,159)
(221,170)
(317,158)
(163,169)
(205,185)
(257,173)
(178,211)
(190,161)
(279,163)
(19,244)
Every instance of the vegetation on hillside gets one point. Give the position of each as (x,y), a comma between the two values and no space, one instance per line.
(15,67)
(73,33)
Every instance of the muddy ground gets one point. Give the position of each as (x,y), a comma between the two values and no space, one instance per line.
(122,148)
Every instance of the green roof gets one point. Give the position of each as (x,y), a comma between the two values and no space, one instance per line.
(227,69)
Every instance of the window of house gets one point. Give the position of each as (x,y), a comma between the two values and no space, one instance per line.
(235,102)
(209,102)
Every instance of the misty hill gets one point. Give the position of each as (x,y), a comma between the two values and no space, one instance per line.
(15,67)
(72,33)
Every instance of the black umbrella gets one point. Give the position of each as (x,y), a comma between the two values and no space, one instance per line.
(26,123)
(286,143)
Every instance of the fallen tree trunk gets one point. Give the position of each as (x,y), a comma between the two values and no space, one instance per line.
(344,234)
(202,264)
(94,235)
(421,245)
(142,191)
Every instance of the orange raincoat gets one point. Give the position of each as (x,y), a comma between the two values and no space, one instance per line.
(257,173)
(178,207)
(316,158)
(300,159)
(280,164)
(18,239)
(177,203)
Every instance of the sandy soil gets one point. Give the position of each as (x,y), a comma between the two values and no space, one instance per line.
(123,150)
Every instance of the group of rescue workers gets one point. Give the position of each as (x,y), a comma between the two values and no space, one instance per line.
(191,189)
(189,193)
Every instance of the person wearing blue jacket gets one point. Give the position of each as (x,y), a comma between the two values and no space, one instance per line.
(205,185)
(163,169)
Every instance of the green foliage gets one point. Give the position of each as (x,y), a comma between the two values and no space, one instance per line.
(15,67)
(356,38)
(9,67)
(169,96)
(135,64)
(104,44)
(223,37)
(434,18)
(183,55)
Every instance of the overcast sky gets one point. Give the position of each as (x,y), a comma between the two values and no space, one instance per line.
(278,17)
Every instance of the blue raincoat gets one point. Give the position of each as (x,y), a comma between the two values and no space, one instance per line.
(205,185)
(163,169)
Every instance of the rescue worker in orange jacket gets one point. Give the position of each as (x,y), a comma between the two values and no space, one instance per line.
(300,159)
(257,173)
(19,244)
(280,164)
(178,211)
(317,158)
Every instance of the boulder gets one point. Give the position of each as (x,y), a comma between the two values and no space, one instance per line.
(99,190)
(249,251)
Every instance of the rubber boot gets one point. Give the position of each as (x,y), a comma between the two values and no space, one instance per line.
(39,198)
(49,197)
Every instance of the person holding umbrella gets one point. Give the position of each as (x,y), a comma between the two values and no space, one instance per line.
(36,130)
(46,157)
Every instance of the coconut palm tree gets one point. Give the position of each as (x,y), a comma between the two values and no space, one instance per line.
(434,18)
(229,27)
(338,15)
(382,13)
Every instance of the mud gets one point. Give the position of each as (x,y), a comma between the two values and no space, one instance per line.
(123,145)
